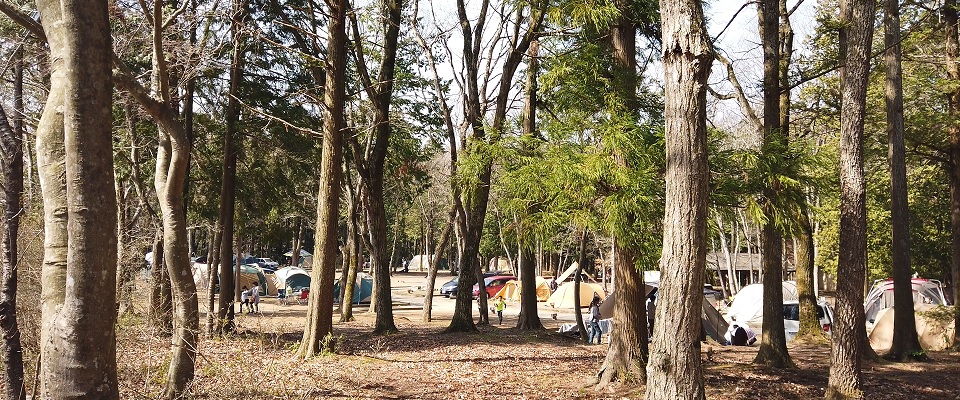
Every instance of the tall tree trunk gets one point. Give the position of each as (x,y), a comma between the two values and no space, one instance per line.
(213,281)
(577,310)
(161,302)
(810,328)
(952,53)
(320,314)
(529,318)
(78,336)
(773,343)
(434,264)
(371,165)
(11,145)
(351,255)
(673,371)
(856,18)
(906,343)
(628,348)
(228,183)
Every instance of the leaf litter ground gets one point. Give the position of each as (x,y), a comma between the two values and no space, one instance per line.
(422,362)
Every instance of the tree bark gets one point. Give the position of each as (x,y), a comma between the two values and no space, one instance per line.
(11,145)
(673,371)
(906,343)
(161,303)
(856,18)
(351,255)
(810,329)
(628,348)
(78,299)
(320,314)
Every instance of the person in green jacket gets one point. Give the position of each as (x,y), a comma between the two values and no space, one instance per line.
(500,305)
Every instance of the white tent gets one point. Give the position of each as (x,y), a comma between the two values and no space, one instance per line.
(748,303)
(420,263)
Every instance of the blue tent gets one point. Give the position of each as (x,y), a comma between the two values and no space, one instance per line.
(362,289)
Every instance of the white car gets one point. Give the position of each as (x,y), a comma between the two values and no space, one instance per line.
(268,263)
(791,318)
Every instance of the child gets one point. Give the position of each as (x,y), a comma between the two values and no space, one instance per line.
(255,299)
(244,299)
(500,305)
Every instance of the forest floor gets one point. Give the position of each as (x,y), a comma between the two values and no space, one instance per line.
(422,362)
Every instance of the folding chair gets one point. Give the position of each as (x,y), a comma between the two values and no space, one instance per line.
(304,296)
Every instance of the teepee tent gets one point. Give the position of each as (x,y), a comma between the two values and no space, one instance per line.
(511,290)
(563,297)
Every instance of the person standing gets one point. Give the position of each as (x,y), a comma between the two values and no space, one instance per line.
(255,299)
(500,305)
(244,299)
(595,319)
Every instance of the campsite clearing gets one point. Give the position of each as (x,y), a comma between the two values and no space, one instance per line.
(422,362)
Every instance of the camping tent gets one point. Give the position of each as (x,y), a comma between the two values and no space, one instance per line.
(713,325)
(747,305)
(362,289)
(250,276)
(925,291)
(419,263)
(511,290)
(291,279)
(934,336)
(563,296)
(606,308)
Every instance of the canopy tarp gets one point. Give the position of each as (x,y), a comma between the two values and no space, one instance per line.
(303,253)
(933,335)
(511,290)
(362,289)
(747,305)
(563,297)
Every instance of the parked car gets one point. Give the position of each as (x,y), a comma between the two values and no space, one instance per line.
(267,263)
(493,285)
(791,318)
(449,289)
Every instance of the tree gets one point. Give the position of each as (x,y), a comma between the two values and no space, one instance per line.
(228,188)
(906,343)
(11,146)
(529,319)
(673,371)
(370,163)
(78,337)
(476,180)
(952,54)
(856,22)
(628,348)
(773,344)
(319,322)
